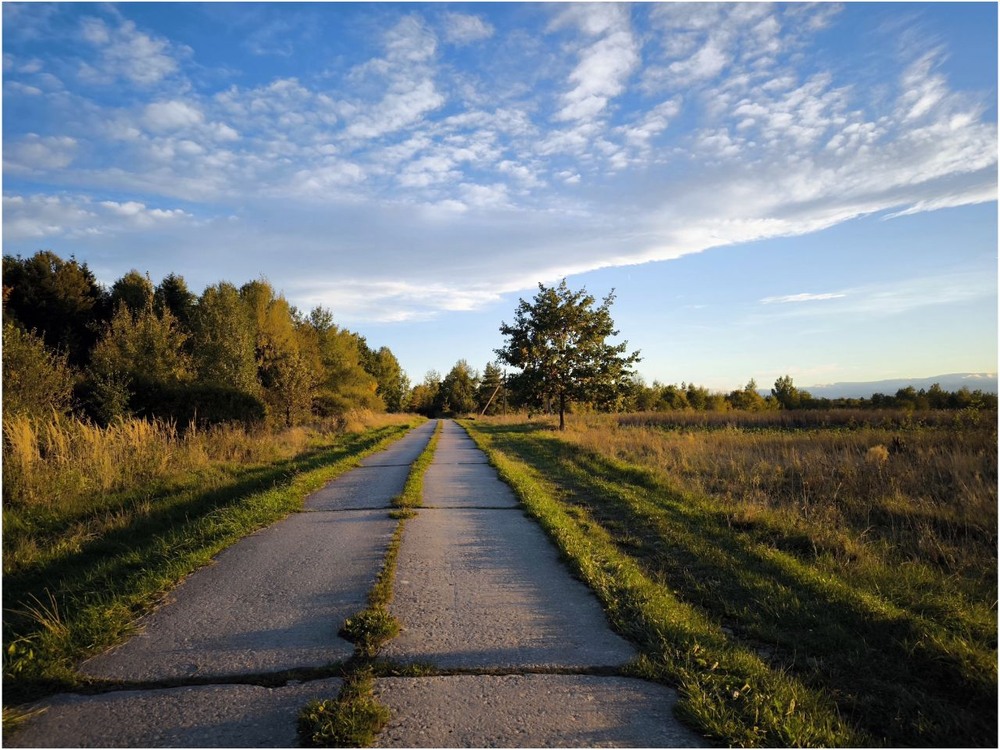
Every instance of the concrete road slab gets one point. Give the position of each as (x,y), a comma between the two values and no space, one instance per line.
(405,450)
(209,716)
(456,447)
(466,486)
(378,480)
(486,589)
(274,601)
(461,477)
(530,711)
(367,487)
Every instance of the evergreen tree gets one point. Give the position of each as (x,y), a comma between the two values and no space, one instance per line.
(489,394)
(59,300)
(173,294)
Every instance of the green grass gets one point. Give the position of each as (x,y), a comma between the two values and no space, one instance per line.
(412,495)
(71,601)
(770,640)
(354,718)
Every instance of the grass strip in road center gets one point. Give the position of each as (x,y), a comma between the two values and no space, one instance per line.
(354,718)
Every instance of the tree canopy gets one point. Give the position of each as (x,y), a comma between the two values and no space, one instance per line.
(559,343)
(231,354)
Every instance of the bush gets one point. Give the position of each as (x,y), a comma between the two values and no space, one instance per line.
(35,381)
(203,405)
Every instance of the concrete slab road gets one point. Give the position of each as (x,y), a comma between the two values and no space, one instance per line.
(530,710)
(208,716)
(275,600)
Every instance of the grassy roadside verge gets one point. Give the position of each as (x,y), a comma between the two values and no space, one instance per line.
(80,601)
(727,691)
(354,718)
(772,637)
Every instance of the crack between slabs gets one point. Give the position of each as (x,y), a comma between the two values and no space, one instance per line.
(382,669)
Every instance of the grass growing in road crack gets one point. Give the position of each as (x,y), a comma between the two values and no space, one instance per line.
(354,718)
(413,490)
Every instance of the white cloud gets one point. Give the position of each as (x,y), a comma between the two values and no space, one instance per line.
(460,28)
(804,297)
(410,48)
(900,296)
(604,66)
(396,147)
(392,301)
(75,216)
(171,115)
(28,218)
(127,53)
(399,109)
(703,65)
(600,76)
(34,152)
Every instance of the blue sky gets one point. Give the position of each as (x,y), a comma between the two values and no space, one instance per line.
(770,189)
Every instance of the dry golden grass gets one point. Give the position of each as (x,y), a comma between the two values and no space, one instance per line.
(926,492)
(61,461)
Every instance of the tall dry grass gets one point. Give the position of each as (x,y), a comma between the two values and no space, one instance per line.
(922,491)
(60,461)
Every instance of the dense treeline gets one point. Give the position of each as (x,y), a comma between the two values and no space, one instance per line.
(785,395)
(231,354)
(465,391)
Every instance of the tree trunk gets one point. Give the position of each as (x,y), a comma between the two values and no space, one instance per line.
(562,411)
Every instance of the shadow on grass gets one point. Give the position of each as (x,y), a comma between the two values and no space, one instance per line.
(889,674)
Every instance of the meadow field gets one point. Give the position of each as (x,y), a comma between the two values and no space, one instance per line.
(805,578)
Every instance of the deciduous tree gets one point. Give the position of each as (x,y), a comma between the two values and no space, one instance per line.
(457,394)
(36,381)
(224,340)
(559,341)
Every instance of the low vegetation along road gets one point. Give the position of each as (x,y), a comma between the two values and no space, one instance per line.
(458,626)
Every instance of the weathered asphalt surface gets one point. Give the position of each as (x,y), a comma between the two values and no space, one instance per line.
(478,589)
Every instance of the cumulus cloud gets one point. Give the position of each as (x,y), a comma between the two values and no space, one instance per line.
(604,66)
(411,93)
(75,216)
(38,153)
(625,148)
(460,28)
(172,115)
(126,53)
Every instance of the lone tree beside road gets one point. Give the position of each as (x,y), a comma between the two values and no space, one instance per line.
(558,342)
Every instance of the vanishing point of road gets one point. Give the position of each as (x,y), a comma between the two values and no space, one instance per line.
(522,651)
